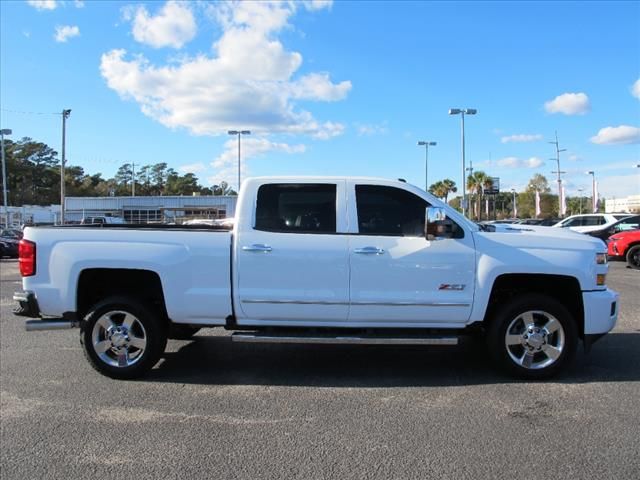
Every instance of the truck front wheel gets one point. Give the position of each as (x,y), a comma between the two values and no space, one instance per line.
(532,336)
(122,338)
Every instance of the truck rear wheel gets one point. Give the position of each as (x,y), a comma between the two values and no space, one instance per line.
(532,336)
(122,338)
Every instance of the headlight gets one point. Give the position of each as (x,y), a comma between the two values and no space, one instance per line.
(601,258)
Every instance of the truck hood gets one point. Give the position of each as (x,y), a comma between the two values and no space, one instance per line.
(536,237)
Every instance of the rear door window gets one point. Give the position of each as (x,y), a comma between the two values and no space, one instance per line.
(296,208)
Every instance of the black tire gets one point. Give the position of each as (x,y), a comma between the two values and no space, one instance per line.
(182,332)
(528,319)
(633,257)
(130,360)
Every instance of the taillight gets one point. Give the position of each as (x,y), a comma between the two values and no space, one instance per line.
(27,258)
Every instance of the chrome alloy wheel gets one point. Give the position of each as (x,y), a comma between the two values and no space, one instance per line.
(119,338)
(535,339)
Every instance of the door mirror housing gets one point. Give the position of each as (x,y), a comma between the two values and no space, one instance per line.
(436,225)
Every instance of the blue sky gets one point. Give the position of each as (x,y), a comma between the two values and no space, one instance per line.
(331,88)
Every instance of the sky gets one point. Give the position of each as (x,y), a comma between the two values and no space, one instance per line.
(331,88)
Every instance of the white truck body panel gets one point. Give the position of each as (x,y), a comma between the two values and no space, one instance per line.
(193,267)
(306,279)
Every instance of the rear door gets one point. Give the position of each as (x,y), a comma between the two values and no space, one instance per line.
(292,263)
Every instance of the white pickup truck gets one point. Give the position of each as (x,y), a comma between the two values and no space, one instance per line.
(321,260)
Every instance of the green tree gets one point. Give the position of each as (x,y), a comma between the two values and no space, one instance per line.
(538,183)
(478,183)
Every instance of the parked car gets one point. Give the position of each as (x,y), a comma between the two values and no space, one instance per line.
(625,245)
(13,233)
(322,260)
(592,221)
(628,223)
(102,220)
(9,248)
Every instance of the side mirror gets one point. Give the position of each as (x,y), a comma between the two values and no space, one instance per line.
(436,224)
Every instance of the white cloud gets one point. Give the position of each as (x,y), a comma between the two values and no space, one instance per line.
(173,26)
(313,5)
(521,138)
(78,3)
(569,104)
(514,162)
(623,134)
(65,32)
(226,163)
(192,168)
(635,89)
(369,130)
(575,158)
(248,82)
(43,4)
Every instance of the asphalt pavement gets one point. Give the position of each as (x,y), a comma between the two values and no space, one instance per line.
(213,409)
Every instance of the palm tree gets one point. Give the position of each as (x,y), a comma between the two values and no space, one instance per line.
(477,183)
(449,186)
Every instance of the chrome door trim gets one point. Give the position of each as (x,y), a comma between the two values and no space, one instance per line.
(377,304)
(294,302)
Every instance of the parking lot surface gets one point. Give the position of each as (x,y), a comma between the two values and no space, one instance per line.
(212,409)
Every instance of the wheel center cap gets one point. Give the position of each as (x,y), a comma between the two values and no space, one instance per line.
(119,339)
(536,340)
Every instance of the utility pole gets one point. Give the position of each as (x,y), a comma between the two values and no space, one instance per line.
(559,172)
(133,179)
(3,132)
(65,115)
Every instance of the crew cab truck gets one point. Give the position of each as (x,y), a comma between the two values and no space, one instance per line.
(321,260)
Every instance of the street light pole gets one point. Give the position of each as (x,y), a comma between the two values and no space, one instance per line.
(3,132)
(239,133)
(65,115)
(580,190)
(462,112)
(515,207)
(594,200)
(426,161)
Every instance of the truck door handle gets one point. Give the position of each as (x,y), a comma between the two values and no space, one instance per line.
(369,251)
(257,247)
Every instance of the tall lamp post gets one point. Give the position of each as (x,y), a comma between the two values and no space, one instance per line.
(580,190)
(462,112)
(239,133)
(594,200)
(426,144)
(515,207)
(65,115)
(3,132)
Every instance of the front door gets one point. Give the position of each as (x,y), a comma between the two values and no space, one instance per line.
(397,276)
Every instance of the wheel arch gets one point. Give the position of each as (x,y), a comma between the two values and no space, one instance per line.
(563,288)
(95,284)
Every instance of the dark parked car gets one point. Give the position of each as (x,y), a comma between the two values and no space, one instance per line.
(628,223)
(9,248)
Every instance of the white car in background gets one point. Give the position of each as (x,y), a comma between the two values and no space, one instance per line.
(589,222)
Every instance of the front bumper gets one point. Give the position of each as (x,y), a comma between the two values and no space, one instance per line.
(600,311)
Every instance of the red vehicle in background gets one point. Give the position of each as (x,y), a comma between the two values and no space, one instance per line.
(625,245)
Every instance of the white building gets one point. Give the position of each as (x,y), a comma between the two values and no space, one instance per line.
(156,209)
(30,214)
(630,204)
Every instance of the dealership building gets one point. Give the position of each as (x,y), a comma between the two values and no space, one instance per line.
(157,209)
